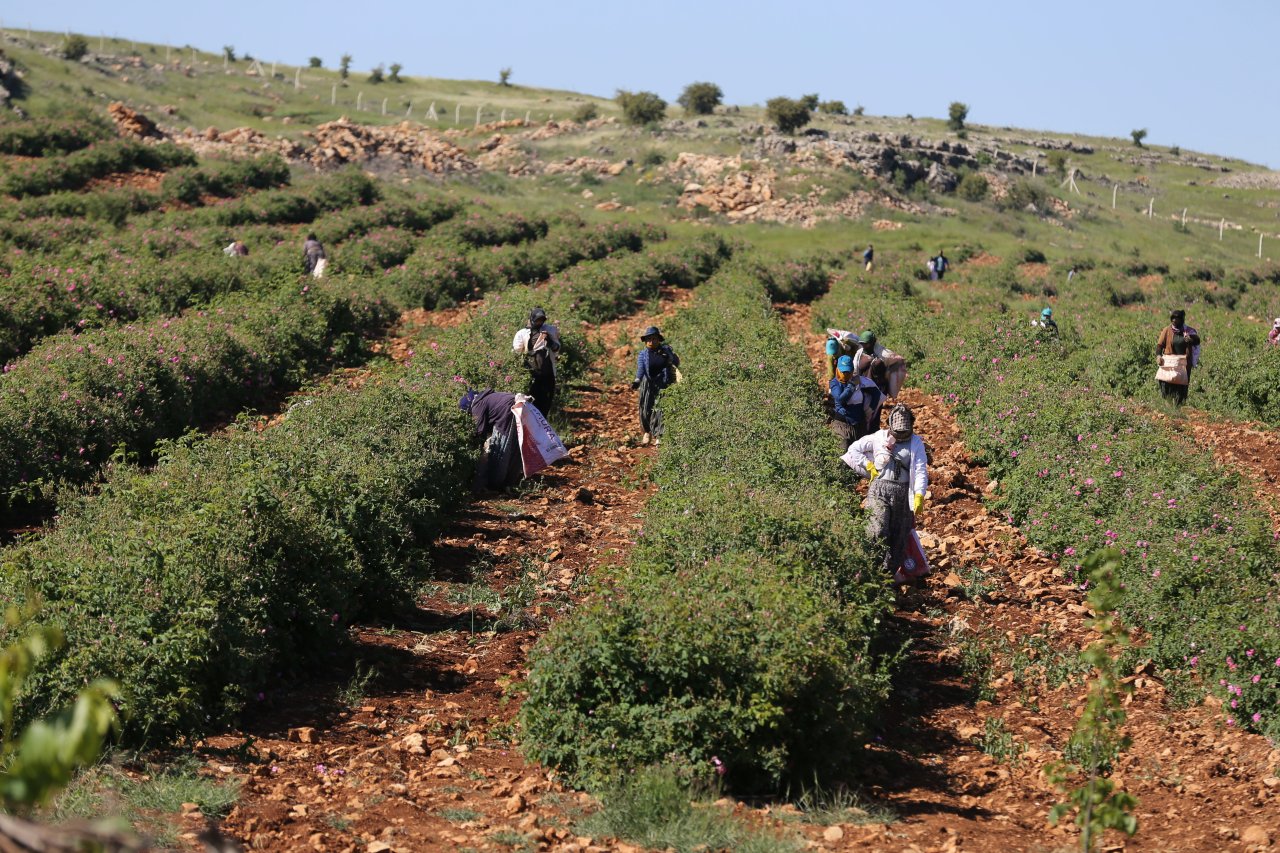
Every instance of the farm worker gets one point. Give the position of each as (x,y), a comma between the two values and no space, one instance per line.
(848,418)
(236,249)
(314,259)
(1273,336)
(655,370)
(886,368)
(869,256)
(499,464)
(539,342)
(839,343)
(1178,349)
(940,266)
(832,356)
(1046,321)
(894,460)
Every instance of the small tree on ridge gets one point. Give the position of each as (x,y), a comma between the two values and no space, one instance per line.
(956,115)
(1138,136)
(700,99)
(641,107)
(787,113)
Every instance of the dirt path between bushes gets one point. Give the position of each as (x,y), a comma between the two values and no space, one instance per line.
(421,757)
(1200,786)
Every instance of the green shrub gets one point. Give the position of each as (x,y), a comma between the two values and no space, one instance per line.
(75,48)
(788,114)
(1022,193)
(956,114)
(973,187)
(44,137)
(641,107)
(700,98)
(833,108)
(585,113)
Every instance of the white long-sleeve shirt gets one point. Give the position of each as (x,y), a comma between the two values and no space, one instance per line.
(521,341)
(876,448)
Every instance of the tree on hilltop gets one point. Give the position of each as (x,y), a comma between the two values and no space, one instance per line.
(344,66)
(700,99)
(787,113)
(377,75)
(810,101)
(641,107)
(1138,136)
(394,76)
(504,76)
(315,62)
(75,47)
(956,115)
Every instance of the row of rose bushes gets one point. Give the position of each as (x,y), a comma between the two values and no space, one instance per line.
(75,170)
(76,399)
(160,272)
(746,634)
(1110,320)
(240,558)
(1080,468)
(48,136)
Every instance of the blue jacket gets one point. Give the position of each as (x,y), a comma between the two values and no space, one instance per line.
(846,399)
(659,365)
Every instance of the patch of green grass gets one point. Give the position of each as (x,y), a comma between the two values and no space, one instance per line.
(999,743)
(841,805)
(976,659)
(655,808)
(459,815)
(147,802)
(353,692)
(513,839)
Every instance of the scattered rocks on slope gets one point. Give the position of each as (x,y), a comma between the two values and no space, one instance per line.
(131,123)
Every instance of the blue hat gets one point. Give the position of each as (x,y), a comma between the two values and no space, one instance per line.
(832,346)
(1048,312)
(467,399)
(845,364)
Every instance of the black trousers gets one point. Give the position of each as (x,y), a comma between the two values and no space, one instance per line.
(543,392)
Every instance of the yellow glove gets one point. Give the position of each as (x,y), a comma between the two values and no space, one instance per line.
(872,473)
(917,503)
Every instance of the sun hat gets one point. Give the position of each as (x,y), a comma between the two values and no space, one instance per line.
(845,364)
(537,314)
(1048,312)
(650,332)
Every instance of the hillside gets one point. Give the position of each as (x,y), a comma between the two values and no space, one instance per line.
(249,494)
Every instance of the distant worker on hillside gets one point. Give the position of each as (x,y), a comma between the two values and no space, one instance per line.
(237,249)
(1273,336)
(1046,322)
(894,460)
(656,370)
(540,343)
(869,256)
(1178,351)
(314,260)
(940,267)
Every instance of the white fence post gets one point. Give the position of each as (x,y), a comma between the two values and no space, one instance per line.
(526,116)
(457,114)
(1151,209)
(359,100)
(504,115)
(333,96)
(409,110)
(1221,225)
(1184,219)
(384,106)
(478,110)
(1114,190)
(297,79)
(1259,245)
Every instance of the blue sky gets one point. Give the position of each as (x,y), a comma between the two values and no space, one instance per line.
(1193,74)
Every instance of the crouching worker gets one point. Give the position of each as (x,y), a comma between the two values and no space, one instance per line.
(499,465)
(894,460)
(517,440)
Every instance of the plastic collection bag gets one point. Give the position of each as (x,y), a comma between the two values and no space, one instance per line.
(539,444)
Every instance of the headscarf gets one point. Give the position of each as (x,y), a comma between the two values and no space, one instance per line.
(901,419)
(467,399)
